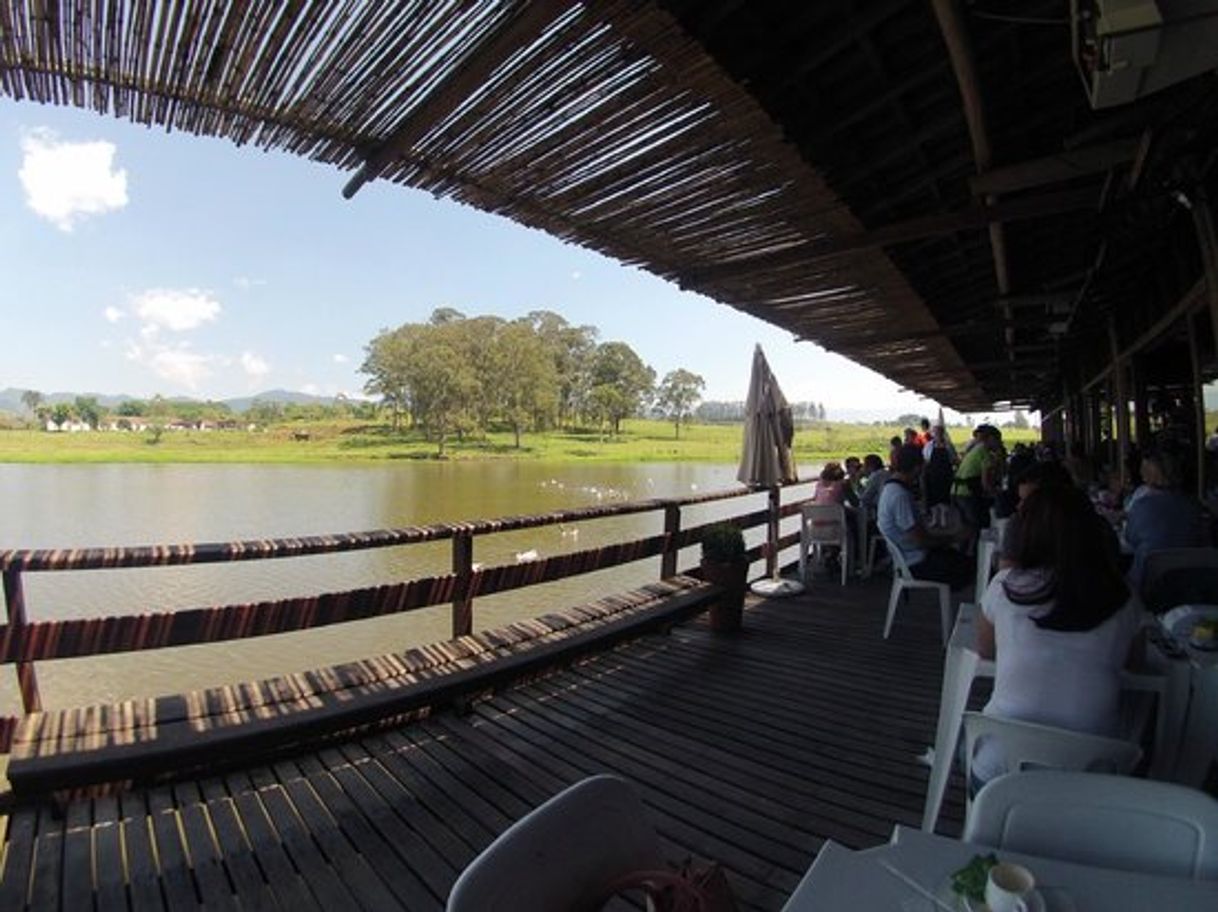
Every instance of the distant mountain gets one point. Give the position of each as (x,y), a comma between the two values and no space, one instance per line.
(283,397)
(10,399)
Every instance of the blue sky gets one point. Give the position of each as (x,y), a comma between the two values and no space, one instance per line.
(139,262)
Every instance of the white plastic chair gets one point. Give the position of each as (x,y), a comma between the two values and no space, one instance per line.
(1101,820)
(904,580)
(987,547)
(1029,744)
(820,525)
(563,855)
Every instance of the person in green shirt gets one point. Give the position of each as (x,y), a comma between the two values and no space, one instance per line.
(970,491)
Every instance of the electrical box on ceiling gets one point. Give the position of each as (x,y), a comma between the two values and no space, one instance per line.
(1126,49)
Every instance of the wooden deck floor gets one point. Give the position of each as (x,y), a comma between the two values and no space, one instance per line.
(750,750)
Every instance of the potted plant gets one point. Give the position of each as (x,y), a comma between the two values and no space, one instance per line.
(724,564)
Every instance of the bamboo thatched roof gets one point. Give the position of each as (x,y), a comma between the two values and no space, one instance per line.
(807,163)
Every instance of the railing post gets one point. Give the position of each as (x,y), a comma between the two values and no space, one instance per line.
(672,528)
(463,567)
(27,680)
(771,551)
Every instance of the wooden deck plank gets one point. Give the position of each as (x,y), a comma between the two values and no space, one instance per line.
(143,875)
(364,882)
(171,854)
(397,870)
(238,857)
(392,815)
(19,835)
(77,875)
(290,832)
(48,862)
(108,848)
(749,749)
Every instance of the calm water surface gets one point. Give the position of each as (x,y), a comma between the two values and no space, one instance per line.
(66,506)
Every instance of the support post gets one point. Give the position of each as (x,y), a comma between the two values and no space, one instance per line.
(771,551)
(463,567)
(1198,404)
(672,528)
(1207,241)
(27,680)
(1120,403)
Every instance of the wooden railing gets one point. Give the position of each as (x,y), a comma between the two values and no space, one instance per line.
(24,642)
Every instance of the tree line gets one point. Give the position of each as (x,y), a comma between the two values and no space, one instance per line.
(456,375)
(158,410)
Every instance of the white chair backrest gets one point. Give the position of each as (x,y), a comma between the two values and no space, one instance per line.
(899,565)
(987,546)
(1028,744)
(563,855)
(1096,819)
(825,523)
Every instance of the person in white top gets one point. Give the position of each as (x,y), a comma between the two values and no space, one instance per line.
(1060,626)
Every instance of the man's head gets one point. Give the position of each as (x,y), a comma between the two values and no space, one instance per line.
(1042,474)
(911,436)
(909,461)
(872,463)
(853,466)
(925,425)
(1159,470)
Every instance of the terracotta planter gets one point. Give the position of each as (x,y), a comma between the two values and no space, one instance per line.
(725,613)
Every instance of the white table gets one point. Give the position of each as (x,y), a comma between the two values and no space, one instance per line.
(849,881)
(961,667)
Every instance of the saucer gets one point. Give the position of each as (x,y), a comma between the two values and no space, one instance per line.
(1034,901)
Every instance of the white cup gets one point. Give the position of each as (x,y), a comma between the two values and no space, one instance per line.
(1007,888)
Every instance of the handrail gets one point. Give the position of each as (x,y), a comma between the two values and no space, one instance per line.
(23,642)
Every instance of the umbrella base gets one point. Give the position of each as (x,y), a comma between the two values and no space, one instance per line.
(777,588)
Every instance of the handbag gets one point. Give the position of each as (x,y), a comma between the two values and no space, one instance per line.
(687,888)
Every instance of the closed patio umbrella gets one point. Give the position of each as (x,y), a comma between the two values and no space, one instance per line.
(767,461)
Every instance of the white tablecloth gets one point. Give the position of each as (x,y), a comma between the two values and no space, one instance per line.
(849,881)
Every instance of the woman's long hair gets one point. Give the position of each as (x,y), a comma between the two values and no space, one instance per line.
(1060,535)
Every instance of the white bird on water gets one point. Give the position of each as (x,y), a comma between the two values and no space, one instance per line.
(524,557)
(568,531)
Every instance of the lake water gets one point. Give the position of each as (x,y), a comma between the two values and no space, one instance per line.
(108,505)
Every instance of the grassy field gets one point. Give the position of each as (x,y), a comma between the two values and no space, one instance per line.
(640,441)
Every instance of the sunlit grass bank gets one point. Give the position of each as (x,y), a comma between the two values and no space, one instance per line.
(639,441)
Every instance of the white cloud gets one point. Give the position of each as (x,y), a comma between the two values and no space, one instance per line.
(577,275)
(245,283)
(174,309)
(65,182)
(181,365)
(253,365)
(340,359)
(312,389)
(113,314)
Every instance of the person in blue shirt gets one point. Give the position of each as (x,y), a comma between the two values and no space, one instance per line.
(928,553)
(1161,516)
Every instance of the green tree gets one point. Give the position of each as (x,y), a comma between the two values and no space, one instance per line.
(88,410)
(571,348)
(31,399)
(132,408)
(441,385)
(386,363)
(528,384)
(621,383)
(679,393)
(61,412)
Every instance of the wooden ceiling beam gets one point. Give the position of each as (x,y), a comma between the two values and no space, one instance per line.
(972,218)
(1054,169)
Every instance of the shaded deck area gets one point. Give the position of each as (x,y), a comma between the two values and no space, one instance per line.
(749,750)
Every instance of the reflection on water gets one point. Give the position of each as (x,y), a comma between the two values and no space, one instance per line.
(73,506)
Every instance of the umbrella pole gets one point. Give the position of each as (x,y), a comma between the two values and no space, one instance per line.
(771,558)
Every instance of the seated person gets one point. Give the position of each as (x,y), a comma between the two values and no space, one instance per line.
(894,447)
(1036,475)
(874,478)
(1060,627)
(833,487)
(854,474)
(929,554)
(1162,517)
